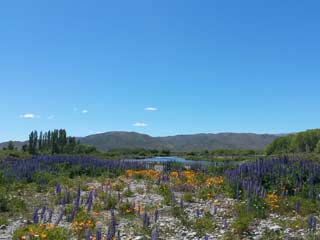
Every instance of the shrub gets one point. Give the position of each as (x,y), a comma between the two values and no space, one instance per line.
(3,203)
(126,208)
(42,231)
(188,197)
(82,221)
(167,194)
(11,203)
(127,193)
(242,223)
(106,202)
(204,225)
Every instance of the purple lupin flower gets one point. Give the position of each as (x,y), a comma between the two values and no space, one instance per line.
(98,234)
(297,207)
(63,200)
(198,213)
(42,213)
(155,234)
(89,201)
(58,189)
(75,205)
(59,217)
(112,227)
(71,215)
(145,219)
(312,223)
(35,217)
(50,215)
(156,215)
(181,203)
(88,234)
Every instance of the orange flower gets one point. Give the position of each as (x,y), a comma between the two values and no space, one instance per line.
(174,174)
(43,235)
(272,200)
(149,173)
(214,181)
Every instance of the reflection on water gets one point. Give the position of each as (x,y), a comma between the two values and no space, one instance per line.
(179,160)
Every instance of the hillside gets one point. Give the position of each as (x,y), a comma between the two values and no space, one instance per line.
(17,144)
(195,142)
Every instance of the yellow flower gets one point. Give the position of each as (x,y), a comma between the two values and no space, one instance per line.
(43,235)
(272,200)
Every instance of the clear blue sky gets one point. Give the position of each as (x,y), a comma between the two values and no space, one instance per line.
(207,66)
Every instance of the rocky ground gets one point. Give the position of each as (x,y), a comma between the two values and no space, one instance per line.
(171,228)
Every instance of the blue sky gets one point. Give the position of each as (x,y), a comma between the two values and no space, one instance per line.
(207,66)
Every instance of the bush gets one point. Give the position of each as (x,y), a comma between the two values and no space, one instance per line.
(167,194)
(107,202)
(3,203)
(10,203)
(127,193)
(125,208)
(188,197)
(82,221)
(204,225)
(242,223)
(43,231)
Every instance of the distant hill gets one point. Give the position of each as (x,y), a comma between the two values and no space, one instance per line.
(17,144)
(195,142)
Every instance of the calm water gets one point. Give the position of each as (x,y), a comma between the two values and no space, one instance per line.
(178,160)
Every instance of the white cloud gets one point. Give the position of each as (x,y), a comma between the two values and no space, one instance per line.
(140,124)
(50,117)
(151,109)
(29,116)
(84,111)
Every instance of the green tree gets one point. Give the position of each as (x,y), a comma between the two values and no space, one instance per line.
(10,146)
(40,143)
(318,147)
(301,142)
(25,148)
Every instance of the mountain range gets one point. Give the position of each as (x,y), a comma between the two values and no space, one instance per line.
(193,142)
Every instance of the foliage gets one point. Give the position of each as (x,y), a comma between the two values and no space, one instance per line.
(10,202)
(203,225)
(81,222)
(56,142)
(242,223)
(307,141)
(107,202)
(318,147)
(167,194)
(126,208)
(13,154)
(42,231)
(188,197)
(25,170)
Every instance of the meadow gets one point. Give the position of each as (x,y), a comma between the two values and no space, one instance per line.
(78,197)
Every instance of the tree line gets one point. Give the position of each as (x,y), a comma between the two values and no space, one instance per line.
(302,142)
(55,142)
